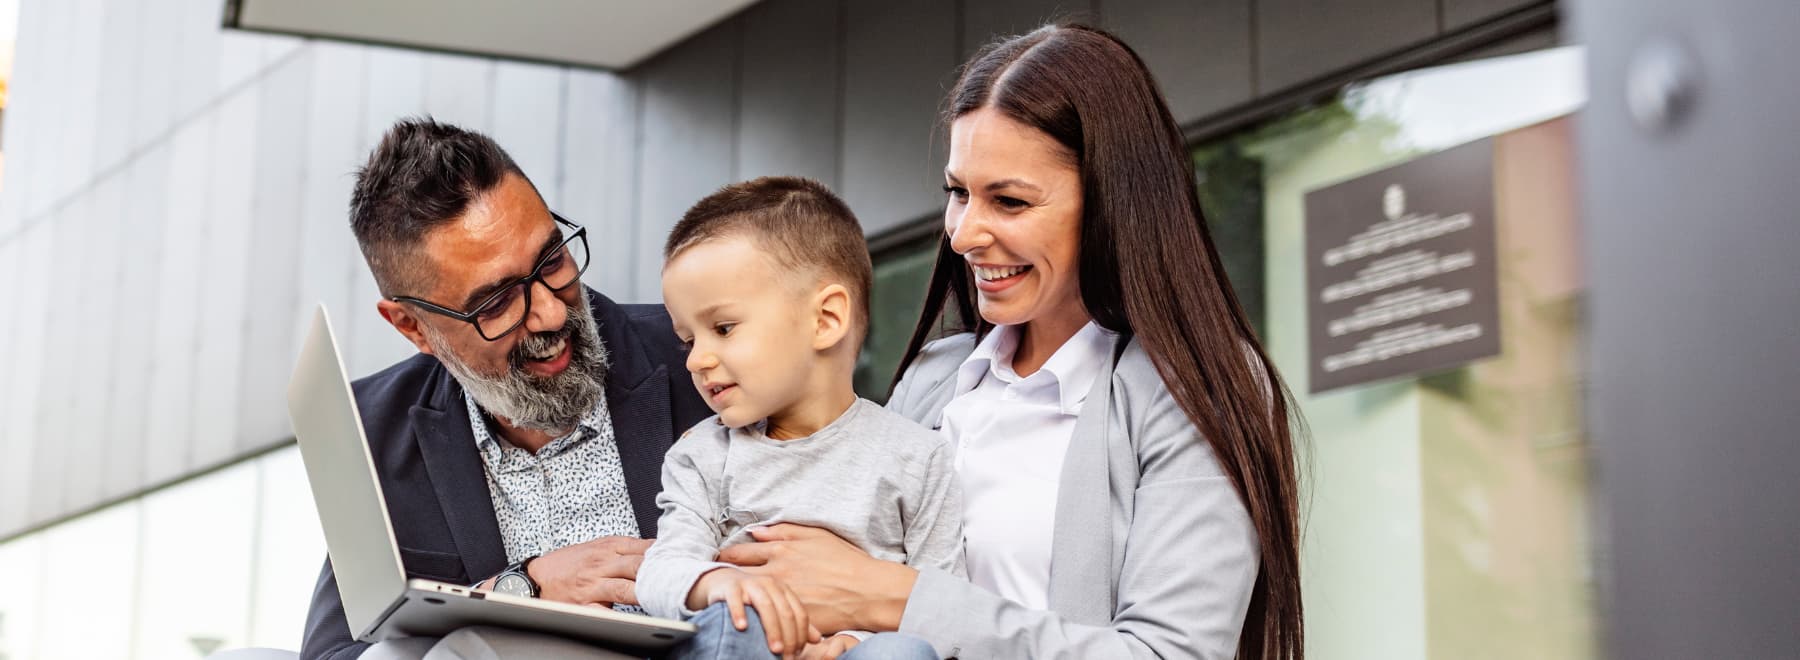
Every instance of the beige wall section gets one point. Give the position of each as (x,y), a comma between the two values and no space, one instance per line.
(1505,465)
(198,181)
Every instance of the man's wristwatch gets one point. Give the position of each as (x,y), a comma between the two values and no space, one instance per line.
(514,581)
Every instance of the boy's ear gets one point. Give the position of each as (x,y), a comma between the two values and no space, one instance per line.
(832,304)
(403,320)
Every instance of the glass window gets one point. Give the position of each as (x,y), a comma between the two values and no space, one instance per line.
(223,561)
(19,604)
(88,586)
(901,273)
(197,544)
(1446,513)
(290,548)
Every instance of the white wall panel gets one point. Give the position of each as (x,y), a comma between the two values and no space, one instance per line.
(278,46)
(121,30)
(16,141)
(55,379)
(81,110)
(50,418)
(334,119)
(396,89)
(134,338)
(527,121)
(197,72)
(458,90)
(241,56)
(172,386)
(225,255)
(159,58)
(11,272)
(272,302)
(599,183)
(687,129)
(98,250)
(40,162)
(22,437)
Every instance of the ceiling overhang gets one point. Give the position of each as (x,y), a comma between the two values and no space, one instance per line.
(608,34)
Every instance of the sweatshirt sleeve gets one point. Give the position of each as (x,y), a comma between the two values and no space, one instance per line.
(934,526)
(688,533)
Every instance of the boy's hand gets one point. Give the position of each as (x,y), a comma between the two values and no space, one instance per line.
(783,618)
(830,648)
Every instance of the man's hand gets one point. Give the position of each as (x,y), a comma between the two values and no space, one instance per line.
(599,572)
(829,649)
(783,619)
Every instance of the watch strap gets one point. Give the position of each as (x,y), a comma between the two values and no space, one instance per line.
(519,569)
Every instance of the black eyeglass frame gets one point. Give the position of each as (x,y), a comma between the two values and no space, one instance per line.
(536,277)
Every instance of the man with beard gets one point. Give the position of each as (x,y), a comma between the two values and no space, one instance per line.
(526,438)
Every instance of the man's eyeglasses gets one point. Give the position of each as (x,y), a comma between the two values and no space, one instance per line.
(506,309)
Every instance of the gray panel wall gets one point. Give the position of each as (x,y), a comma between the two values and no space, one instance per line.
(1301,39)
(1458,13)
(899,58)
(1695,326)
(208,173)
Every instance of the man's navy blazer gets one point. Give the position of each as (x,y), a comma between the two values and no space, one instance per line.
(433,478)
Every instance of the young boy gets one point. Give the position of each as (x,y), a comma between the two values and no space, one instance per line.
(767,282)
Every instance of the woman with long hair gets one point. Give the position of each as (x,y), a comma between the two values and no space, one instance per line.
(1122,439)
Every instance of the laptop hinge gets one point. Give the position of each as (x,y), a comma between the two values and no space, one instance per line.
(380,620)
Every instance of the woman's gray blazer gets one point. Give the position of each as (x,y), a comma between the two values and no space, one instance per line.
(1153,555)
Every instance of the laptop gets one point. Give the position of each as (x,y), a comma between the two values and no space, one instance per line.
(379,601)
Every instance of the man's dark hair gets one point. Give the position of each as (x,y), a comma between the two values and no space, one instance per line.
(422,175)
(798,221)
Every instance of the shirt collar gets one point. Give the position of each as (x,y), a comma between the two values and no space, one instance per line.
(1072,369)
(490,447)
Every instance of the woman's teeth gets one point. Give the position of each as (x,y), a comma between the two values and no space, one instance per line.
(991,274)
(550,351)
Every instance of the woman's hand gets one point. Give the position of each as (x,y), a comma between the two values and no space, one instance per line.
(830,649)
(842,587)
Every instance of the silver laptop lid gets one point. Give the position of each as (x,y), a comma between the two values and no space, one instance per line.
(358,535)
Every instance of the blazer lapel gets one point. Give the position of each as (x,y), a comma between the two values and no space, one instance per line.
(443,434)
(936,397)
(637,399)
(1081,553)
(640,420)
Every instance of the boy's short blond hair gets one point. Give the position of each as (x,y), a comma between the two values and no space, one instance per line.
(801,224)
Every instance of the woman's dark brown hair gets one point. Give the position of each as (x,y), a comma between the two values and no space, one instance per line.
(1148,269)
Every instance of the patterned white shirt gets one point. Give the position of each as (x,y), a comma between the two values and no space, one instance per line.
(571,491)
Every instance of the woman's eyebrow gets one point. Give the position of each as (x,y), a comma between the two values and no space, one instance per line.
(1012,183)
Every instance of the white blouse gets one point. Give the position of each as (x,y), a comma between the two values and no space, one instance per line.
(1010,434)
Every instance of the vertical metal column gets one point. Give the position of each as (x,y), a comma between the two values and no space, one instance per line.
(1690,152)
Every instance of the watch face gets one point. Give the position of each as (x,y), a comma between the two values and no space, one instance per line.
(513,585)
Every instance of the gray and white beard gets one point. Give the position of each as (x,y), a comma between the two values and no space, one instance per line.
(553,405)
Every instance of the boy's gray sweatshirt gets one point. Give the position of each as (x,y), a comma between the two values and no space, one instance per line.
(879,480)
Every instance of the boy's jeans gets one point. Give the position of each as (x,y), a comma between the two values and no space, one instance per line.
(717,638)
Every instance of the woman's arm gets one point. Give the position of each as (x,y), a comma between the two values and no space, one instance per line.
(843,587)
(1182,589)
(1183,583)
